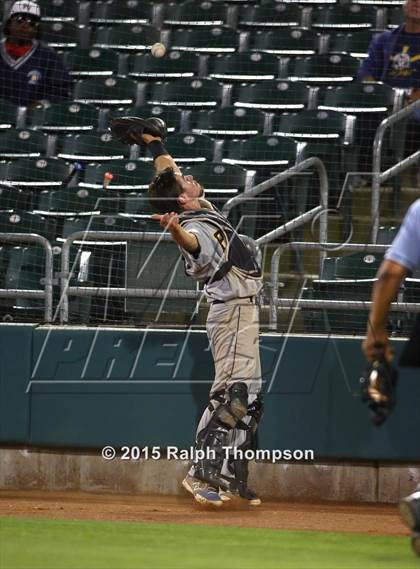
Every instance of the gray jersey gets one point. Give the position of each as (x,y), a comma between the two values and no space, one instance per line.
(203,266)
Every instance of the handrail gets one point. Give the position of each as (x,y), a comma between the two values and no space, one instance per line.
(296,246)
(321,210)
(47,293)
(377,176)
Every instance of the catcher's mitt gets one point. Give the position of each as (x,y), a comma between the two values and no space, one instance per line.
(129,130)
(378,385)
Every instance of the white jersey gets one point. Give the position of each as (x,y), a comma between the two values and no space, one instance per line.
(214,243)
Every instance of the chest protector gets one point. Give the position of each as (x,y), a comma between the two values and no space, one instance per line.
(236,255)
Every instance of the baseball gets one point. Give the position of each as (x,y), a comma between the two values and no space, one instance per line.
(158,49)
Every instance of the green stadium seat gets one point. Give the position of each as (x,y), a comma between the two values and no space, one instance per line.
(26,271)
(395,17)
(128,175)
(272,95)
(69,116)
(122,12)
(126,37)
(386,234)
(271,15)
(229,121)
(344,17)
(13,199)
(267,155)
(8,114)
(92,147)
(190,148)
(221,39)
(22,143)
(72,202)
(110,91)
(93,61)
(174,65)
(193,13)
(171,115)
(286,41)
(34,172)
(187,93)
(358,266)
(355,43)
(244,66)
(25,222)
(59,10)
(62,35)
(325,68)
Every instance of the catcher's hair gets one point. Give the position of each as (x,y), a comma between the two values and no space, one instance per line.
(164,191)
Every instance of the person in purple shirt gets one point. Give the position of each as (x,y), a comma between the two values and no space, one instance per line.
(30,71)
(401,259)
(394,59)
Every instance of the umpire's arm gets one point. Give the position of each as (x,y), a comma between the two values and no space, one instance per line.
(390,276)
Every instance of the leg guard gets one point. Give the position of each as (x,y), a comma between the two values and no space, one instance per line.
(212,440)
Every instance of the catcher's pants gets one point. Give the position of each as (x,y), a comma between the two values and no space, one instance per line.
(233,332)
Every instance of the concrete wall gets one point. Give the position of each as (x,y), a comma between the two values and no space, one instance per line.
(28,469)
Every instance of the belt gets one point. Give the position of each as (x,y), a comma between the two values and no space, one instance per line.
(250,298)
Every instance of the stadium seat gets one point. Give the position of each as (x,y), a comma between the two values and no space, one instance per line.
(187,93)
(109,91)
(355,43)
(160,269)
(25,222)
(194,13)
(356,266)
(190,148)
(70,116)
(71,202)
(22,143)
(122,12)
(244,66)
(59,10)
(62,35)
(325,68)
(267,155)
(229,121)
(286,41)
(171,115)
(271,15)
(344,17)
(386,234)
(92,147)
(8,114)
(221,39)
(220,180)
(13,199)
(91,62)
(128,175)
(311,124)
(126,37)
(174,65)
(221,183)
(35,172)
(272,95)
(395,17)
(370,103)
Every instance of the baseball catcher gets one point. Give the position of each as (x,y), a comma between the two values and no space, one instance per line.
(214,255)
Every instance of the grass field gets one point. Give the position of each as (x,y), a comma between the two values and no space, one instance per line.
(47,544)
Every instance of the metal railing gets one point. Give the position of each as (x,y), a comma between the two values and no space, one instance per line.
(320,211)
(47,293)
(276,302)
(379,177)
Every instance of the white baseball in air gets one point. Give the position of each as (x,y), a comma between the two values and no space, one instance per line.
(158,49)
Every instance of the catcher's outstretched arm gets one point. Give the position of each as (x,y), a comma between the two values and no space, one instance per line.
(165,160)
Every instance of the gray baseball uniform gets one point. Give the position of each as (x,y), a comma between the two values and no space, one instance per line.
(233,319)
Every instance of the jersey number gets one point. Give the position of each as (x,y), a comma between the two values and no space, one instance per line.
(220,238)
